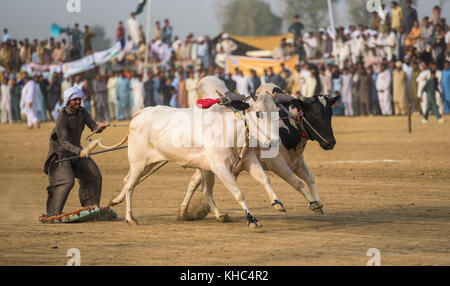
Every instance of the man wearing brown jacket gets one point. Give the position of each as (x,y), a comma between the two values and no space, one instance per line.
(64,143)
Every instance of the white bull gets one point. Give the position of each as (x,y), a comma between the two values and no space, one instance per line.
(290,163)
(158,134)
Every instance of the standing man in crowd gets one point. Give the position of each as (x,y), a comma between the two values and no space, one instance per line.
(138,90)
(16,91)
(167,32)
(243,83)
(399,89)
(157,31)
(148,91)
(364,85)
(255,81)
(101,99)
(410,16)
(6,101)
(44,85)
(122,97)
(446,86)
(296,28)
(111,86)
(383,84)
(76,39)
(120,35)
(397,16)
(191,88)
(6,35)
(347,93)
(133,29)
(65,142)
(88,35)
(87,91)
(430,88)
(55,91)
(28,103)
(415,87)
(276,79)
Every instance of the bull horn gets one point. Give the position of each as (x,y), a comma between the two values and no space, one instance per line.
(219,93)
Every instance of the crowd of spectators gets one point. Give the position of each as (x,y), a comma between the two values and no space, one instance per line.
(395,66)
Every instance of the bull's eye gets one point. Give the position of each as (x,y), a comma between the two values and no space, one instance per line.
(259,114)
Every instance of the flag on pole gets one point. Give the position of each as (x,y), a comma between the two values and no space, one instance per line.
(140,7)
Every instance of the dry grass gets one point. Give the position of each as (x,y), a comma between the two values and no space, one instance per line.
(400,207)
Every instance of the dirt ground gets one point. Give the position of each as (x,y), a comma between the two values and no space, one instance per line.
(381,188)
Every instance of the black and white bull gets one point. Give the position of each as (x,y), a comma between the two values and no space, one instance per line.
(312,121)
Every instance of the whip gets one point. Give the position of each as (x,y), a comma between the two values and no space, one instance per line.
(95,153)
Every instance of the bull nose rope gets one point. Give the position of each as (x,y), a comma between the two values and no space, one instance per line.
(314,130)
(299,117)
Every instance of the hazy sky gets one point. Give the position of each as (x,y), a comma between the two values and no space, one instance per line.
(32,18)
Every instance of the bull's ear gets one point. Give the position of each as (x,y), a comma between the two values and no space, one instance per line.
(298,103)
(240,105)
(334,99)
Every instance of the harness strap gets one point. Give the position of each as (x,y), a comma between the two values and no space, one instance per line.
(300,118)
(315,131)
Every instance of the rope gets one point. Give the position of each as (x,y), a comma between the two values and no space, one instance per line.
(301,115)
(151,173)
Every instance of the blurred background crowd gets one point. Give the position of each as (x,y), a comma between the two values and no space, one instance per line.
(396,65)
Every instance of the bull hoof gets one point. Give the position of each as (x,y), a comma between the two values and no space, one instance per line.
(278,206)
(224,218)
(255,225)
(316,207)
(182,216)
(252,221)
(132,221)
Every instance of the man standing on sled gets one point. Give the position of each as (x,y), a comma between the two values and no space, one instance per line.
(65,142)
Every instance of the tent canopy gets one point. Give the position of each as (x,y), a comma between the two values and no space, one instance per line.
(245,44)
(262,42)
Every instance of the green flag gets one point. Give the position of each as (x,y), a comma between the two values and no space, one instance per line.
(140,7)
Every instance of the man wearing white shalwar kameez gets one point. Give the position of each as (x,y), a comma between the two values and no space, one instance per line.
(383,85)
(138,89)
(191,88)
(347,93)
(422,78)
(112,101)
(133,29)
(28,103)
(6,102)
(357,46)
(243,84)
(390,45)
(341,51)
(310,86)
(311,45)
(304,75)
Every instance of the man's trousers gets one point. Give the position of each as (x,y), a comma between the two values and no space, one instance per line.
(61,178)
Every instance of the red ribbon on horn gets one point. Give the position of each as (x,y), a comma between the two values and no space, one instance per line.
(206,102)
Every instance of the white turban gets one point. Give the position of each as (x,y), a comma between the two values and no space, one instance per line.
(72,93)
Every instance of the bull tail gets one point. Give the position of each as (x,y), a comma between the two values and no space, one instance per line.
(113,146)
